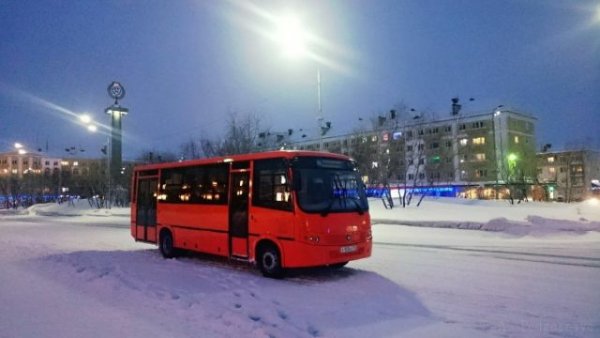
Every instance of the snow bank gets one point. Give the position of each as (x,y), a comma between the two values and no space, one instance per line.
(536,218)
(76,208)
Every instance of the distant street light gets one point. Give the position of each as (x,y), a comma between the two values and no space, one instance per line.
(85,118)
(89,123)
(20,149)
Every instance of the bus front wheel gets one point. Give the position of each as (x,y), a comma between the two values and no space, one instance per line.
(166,244)
(269,262)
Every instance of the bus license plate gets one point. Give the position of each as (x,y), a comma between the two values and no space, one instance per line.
(348,249)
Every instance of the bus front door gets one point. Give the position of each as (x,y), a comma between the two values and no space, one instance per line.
(238,215)
(146,210)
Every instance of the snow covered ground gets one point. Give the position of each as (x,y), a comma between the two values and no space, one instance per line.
(72,271)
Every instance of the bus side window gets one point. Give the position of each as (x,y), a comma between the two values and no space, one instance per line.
(196,185)
(271,186)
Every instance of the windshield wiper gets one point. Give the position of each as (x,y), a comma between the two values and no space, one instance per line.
(342,197)
(337,185)
(359,208)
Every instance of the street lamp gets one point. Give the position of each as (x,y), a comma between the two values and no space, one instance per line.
(292,36)
(20,149)
(89,123)
(496,113)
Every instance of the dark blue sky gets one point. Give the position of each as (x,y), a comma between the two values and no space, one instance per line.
(186,65)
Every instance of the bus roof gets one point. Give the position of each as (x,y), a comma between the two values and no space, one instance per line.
(242,157)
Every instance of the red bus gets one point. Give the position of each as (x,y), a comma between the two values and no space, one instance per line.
(278,209)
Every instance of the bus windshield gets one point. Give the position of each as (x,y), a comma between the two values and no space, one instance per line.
(325,185)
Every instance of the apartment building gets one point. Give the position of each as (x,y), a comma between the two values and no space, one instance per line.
(570,175)
(479,156)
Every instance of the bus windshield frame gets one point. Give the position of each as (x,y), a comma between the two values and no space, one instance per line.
(325,185)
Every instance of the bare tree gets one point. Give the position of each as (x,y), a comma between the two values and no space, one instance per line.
(241,137)
(191,149)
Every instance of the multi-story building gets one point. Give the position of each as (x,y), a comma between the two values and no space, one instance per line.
(20,163)
(571,175)
(48,175)
(480,155)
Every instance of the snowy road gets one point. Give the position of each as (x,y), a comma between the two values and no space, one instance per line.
(63,277)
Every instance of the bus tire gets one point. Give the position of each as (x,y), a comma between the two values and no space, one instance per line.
(269,262)
(165,244)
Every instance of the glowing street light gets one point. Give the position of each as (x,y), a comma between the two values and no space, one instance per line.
(293,37)
(89,123)
(20,149)
(85,118)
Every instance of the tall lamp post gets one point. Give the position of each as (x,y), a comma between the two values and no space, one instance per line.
(292,36)
(115,157)
(495,114)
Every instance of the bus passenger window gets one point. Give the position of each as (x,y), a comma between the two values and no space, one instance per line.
(271,187)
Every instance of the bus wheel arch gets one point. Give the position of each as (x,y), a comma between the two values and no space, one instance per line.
(269,259)
(166,243)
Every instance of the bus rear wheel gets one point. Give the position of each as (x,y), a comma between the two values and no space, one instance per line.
(166,244)
(269,262)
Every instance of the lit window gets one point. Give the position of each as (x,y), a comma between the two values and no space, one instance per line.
(480,157)
(516,139)
(75,163)
(463,142)
(551,159)
(479,140)
(552,170)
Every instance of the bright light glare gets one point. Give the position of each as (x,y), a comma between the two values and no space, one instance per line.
(22,151)
(593,201)
(92,128)
(292,36)
(18,145)
(85,118)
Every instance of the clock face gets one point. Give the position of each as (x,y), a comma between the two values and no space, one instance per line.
(116,90)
